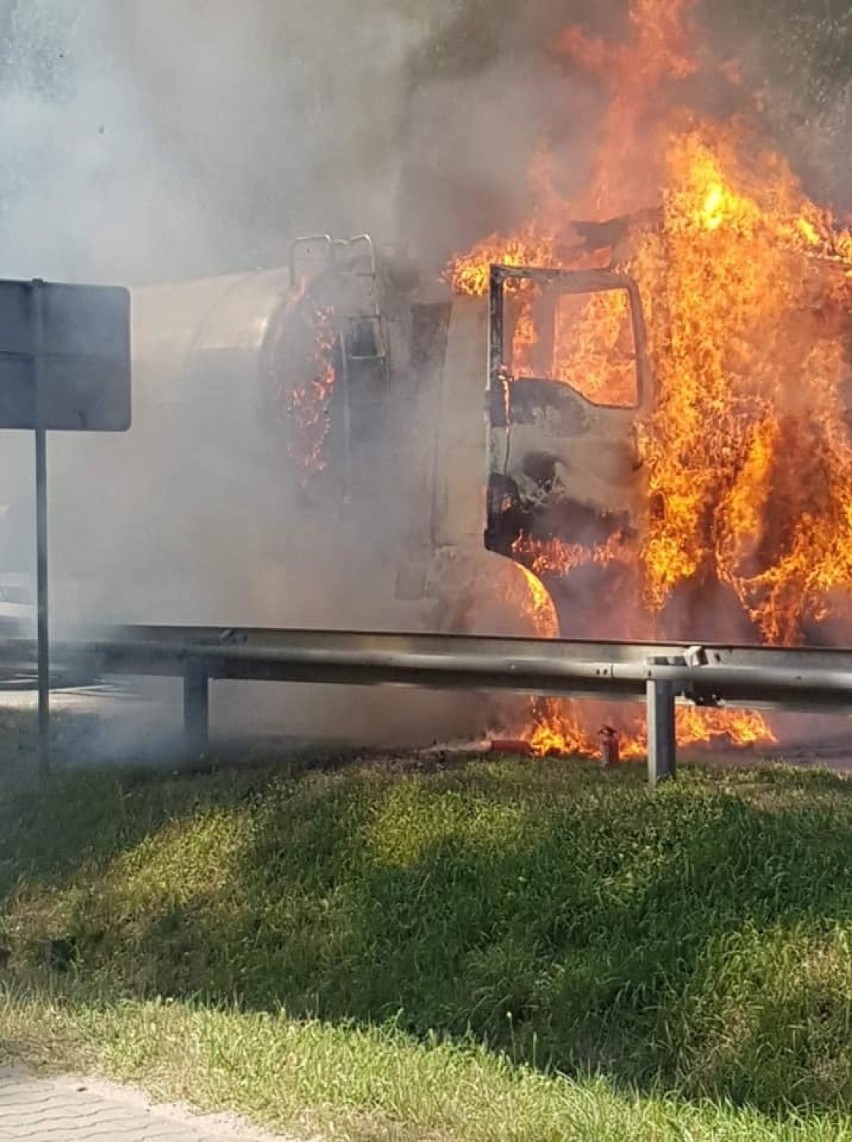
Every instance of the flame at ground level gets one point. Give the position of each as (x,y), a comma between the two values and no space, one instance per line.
(562,728)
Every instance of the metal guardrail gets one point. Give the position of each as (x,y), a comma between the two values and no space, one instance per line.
(661,674)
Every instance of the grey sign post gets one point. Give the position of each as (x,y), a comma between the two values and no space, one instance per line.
(64,366)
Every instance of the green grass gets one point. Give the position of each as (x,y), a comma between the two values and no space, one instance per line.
(500,949)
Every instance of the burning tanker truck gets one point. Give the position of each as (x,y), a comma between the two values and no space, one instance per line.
(637,430)
(635,427)
(496,426)
(391,403)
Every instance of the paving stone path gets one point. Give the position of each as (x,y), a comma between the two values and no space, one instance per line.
(77,1110)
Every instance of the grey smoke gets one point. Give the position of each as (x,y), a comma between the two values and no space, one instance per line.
(147,141)
(148,138)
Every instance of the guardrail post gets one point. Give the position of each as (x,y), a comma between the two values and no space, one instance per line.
(196,707)
(662,742)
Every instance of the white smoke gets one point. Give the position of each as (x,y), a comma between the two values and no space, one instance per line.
(151,140)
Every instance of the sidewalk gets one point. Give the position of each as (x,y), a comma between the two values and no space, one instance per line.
(77,1110)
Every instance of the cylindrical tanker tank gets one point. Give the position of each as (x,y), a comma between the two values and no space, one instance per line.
(229,354)
(171,520)
(231,472)
(205,340)
(402,473)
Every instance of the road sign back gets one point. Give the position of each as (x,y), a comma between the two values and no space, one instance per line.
(64,365)
(64,357)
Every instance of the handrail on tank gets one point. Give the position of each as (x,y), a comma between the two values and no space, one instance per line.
(367,240)
(307,240)
(332,245)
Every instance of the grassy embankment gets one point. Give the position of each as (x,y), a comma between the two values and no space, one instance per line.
(454,953)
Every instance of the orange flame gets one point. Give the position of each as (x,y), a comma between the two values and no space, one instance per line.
(308,403)
(746,286)
(559,728)
(305,386)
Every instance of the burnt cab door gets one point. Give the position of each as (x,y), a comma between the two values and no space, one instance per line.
(568,380)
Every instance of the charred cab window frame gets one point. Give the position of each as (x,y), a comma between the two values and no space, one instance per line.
(558,282)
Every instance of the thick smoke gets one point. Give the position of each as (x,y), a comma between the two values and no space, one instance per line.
(150,141)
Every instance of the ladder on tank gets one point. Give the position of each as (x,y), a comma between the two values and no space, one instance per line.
(362,332)
(361,329)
